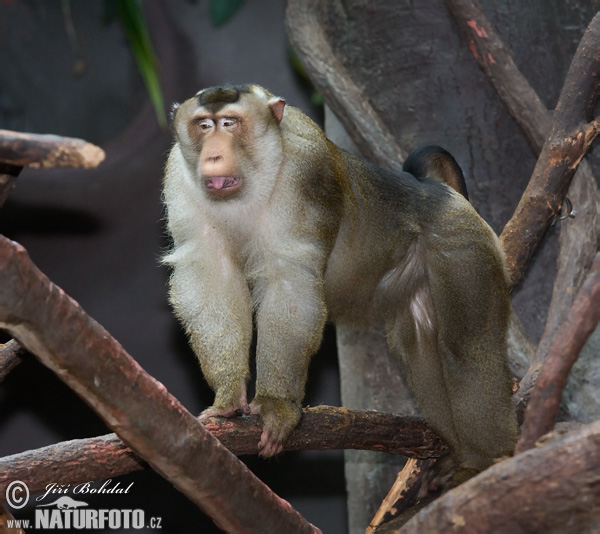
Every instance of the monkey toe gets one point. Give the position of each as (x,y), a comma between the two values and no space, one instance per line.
(268,445)
(279,418)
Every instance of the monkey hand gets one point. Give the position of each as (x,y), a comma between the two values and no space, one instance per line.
(279,418)
(228,405)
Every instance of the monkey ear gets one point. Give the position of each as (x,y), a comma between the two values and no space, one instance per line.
(277,105)
(174,109)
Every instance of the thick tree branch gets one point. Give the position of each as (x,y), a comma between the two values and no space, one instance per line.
(547,394)
(36,150)
(10,357)
(541,490)
(569,140)
(321,428)
(8,178)
(52,326)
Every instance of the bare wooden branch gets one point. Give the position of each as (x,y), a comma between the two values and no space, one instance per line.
(44,150)
(348,101)
(402,495)
(552,489)
(52,326)
(573,131)
(572,336)
(8,178)
(10,357)
(321,428)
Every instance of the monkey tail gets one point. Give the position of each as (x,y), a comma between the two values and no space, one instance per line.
(434,162)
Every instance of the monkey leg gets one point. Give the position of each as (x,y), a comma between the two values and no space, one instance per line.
(472,309)
(214,305)
(451,332)
(290,321)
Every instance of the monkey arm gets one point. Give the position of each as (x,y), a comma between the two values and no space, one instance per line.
(290,318)
(213,302)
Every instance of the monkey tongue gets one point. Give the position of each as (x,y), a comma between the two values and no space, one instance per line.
(221,182)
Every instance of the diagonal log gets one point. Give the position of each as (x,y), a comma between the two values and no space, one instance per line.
(583,318)
(52,326)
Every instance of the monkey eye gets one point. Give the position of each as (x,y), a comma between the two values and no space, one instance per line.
(206,124)
(229,123)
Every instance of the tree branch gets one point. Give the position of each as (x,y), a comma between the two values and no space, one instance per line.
(348,101)
(321,428)
(8,177)
(569,140)
(547,394)
(541,490)
(10,357)
(52,326)
(35,150)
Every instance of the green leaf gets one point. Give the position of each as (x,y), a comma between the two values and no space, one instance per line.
(222,10)
(132,18)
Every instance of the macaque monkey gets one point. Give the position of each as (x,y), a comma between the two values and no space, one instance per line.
(272,222)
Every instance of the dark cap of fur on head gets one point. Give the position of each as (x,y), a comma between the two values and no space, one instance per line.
(214,98)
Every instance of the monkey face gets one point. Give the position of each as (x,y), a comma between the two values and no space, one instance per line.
(217,129)
(217,161)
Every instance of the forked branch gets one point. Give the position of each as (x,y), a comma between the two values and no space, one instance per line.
(573,130)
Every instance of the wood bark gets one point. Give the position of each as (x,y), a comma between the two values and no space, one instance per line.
(10,357)
(553,489)
(321,428)
(45,150)
(583,318)
(8,178)
(573,130)
(52,326)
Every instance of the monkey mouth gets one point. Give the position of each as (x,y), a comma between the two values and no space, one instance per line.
(222,184)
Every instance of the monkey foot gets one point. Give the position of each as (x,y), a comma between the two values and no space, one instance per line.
(279,418)
(269,445)
(443,476)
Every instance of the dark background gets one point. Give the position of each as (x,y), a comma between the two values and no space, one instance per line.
(99,233)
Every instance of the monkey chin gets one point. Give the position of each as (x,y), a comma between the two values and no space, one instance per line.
(222,186)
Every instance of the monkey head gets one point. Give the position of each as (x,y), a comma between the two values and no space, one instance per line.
(217,131)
